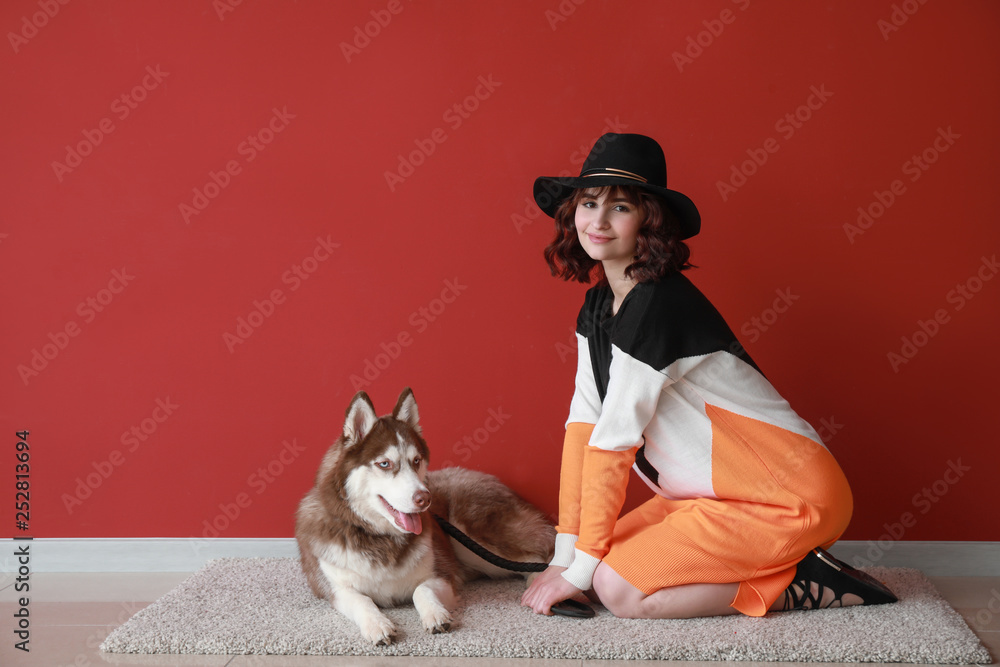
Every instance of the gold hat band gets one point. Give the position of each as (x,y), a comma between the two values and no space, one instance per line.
(619,172)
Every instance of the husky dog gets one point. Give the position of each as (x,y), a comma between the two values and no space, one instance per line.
(367,539)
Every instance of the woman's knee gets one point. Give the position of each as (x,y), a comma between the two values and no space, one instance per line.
(617,595)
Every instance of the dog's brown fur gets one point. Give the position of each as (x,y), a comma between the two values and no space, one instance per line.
(483,508)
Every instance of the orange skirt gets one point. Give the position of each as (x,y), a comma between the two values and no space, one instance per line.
(780,495)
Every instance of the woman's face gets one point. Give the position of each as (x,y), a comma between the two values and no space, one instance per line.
(607,225)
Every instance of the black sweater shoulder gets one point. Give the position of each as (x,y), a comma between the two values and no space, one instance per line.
(669,319)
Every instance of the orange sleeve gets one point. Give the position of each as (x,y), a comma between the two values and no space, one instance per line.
(605,480)
(571,476)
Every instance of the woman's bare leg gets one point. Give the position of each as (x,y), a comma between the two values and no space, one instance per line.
(688,601)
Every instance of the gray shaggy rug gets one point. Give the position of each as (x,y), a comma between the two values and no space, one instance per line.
(263,606)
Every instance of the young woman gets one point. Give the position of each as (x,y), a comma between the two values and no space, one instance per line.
(745,491)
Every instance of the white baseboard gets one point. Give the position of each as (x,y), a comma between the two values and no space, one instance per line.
(142,554)
(935,559)
(957,559)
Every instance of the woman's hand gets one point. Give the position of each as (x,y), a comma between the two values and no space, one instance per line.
(547,589)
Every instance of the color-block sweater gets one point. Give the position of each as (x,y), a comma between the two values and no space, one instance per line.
(653,383)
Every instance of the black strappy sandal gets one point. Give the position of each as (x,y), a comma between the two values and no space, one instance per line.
(828,573)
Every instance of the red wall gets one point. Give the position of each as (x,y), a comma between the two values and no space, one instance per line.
(138,230)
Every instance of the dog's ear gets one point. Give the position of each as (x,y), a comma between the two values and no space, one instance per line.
(360,419)
(406,410)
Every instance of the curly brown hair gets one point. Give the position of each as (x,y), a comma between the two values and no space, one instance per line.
(658,251)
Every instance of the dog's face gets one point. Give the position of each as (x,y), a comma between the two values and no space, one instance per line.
(383,465)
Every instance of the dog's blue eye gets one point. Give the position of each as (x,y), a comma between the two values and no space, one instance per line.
(384,465)
(416,462)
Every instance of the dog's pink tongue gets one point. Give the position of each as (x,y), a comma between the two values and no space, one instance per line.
(411,523)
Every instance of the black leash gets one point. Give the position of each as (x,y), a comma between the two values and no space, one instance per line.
(485,554)
(570,607)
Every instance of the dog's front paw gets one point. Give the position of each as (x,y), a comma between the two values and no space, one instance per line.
(378,629)
(436,621)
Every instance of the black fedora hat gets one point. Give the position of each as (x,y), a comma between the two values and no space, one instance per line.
(621,159)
